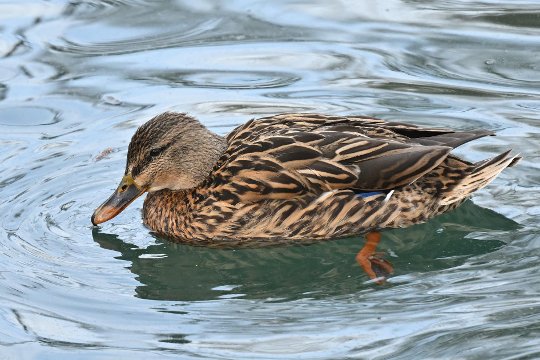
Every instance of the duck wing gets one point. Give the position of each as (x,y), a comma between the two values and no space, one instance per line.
(289,155)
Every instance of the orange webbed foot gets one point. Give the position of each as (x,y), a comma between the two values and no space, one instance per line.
(373,263)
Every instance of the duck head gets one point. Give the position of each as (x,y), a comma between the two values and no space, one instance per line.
(171,151)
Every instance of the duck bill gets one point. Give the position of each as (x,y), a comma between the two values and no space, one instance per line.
(124,195)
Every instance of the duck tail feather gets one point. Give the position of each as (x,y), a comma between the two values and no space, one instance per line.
(482,173)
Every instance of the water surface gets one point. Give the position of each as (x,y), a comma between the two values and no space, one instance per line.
(77,78)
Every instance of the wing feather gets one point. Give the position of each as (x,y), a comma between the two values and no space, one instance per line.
(289,155)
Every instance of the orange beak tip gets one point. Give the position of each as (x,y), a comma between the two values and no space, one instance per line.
(104,213)
(93,220)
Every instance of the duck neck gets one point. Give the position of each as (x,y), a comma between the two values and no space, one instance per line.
(218,147)
(209,150)
(169,212)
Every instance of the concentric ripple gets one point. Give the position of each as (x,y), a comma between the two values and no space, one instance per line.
(226,79)
(78,77)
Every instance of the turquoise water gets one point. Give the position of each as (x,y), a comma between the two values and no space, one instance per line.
(77,78)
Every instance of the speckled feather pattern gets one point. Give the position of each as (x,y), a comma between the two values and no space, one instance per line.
(296,177)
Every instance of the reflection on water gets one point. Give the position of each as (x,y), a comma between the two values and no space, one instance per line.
(77,78)
(172,271)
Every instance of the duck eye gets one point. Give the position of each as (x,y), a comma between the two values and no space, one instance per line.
(155,152)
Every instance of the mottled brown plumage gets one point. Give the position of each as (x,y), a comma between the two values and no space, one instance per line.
(295,177)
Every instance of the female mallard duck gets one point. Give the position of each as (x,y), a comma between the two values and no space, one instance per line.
(295,177)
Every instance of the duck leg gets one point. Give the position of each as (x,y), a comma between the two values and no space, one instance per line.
(377,268)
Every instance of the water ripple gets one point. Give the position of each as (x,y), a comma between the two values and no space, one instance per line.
(148,42)
(223,79)
(27,116)
(78,77)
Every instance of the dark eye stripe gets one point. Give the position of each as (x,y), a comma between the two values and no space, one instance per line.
(157,151)
(152,154)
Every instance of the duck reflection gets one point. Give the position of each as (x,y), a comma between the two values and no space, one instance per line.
(176,271)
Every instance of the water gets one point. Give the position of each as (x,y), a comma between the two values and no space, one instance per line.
(77,78)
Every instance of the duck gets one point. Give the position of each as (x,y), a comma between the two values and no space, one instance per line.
(296,177)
